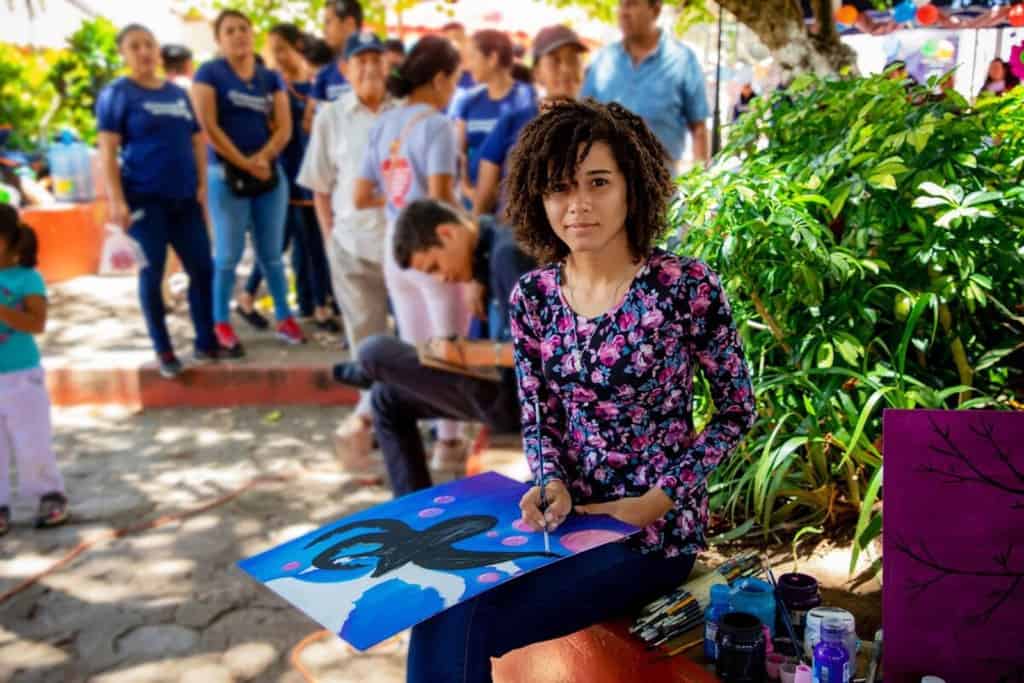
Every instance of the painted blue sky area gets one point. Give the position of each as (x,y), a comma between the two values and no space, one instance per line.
(417,556)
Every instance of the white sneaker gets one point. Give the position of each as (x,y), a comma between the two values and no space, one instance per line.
(450,457)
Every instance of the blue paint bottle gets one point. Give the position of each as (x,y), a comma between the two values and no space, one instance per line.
(718,608)
(756,597)
(831,660)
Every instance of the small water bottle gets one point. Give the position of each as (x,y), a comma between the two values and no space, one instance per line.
(831,660)
(718,608)
(61,169)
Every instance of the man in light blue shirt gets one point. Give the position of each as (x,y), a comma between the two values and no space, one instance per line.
(654,76)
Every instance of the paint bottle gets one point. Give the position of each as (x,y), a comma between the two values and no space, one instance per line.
(756,597)
(932,679)
(741,649)
(718,608)
(831,660)
(803,674)
(799,594)
(812,632)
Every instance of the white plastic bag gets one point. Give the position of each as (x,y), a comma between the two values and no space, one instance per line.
(121,254)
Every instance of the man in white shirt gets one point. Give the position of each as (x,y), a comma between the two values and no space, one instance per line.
(354,238)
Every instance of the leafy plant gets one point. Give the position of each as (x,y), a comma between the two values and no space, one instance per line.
(25,95)
(80,73)
(872,242)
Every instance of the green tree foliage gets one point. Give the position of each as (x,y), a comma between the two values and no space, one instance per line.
(25,95)
(80,73)
(871,240)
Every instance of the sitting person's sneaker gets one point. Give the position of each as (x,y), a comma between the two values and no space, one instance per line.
(5,520)
(289,332)
(253,317)
(450,456)
(170,366)
(228,340)
(53,510)
(352,374)
(353,444)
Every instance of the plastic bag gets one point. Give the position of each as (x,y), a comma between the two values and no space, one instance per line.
(121,254)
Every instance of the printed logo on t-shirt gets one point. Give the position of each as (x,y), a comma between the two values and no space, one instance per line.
(481,125)
(260,103)
(336,90)
(397,173)
(178,109)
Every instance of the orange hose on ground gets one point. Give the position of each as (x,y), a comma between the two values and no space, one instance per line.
(293,659)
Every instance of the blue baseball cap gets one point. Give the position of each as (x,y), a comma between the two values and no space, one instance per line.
(362,42)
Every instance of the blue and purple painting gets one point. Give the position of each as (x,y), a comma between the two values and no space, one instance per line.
(376,573)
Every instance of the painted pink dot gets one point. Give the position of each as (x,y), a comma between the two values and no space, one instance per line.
(431,512)
(444,500)
(578,541)
(520,525)
(515,540)
(291,566)
(492,534)
(489,577)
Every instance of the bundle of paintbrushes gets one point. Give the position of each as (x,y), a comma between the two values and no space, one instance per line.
(743,565)
(668,617)
(674,614)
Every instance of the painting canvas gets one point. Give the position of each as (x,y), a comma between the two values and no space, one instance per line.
(953,593)
(374,574)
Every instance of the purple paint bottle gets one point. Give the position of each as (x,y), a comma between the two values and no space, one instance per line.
(799,594)
(831,660)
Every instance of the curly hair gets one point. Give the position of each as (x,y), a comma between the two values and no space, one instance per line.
(551,147)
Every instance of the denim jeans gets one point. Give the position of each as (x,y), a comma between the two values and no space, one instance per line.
(405,392)
(232,217)
(611,581)
(177,223)
(308,257)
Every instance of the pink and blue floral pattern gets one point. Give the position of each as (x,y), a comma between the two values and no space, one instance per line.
(615,391)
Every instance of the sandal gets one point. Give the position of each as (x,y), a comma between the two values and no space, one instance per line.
(53,510)
(5,520)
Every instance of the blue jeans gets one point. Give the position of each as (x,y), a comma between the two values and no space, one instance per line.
(611,581)
(177,223)
(309,260)
(232,216)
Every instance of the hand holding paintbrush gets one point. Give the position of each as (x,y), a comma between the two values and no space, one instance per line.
(546,505)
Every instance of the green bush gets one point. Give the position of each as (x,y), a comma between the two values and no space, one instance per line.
(25,95)
(871,241)
(81,72)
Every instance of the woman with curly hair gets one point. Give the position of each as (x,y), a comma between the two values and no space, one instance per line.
(607,334)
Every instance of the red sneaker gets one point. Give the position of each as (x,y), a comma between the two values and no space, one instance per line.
(228,340)
(289,332)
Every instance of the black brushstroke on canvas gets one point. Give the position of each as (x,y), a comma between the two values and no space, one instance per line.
(399,544)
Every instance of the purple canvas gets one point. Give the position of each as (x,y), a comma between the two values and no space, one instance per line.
(953,591)
(425,552)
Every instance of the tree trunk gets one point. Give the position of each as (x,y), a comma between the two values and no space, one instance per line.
(780,26)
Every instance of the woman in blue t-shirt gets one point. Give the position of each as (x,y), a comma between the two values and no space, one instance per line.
(244,111)
(147,124)
(558,70)
(288,47)
(489,59)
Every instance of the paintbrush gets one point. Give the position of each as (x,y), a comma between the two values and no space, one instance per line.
(540,467)
(798,644)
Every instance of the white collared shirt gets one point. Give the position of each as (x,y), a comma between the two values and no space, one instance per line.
(332,164)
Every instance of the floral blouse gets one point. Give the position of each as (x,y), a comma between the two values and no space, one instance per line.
(615,392)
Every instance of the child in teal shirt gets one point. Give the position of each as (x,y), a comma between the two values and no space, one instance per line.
(25,430)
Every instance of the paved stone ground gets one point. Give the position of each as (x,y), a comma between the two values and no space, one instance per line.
(168,604)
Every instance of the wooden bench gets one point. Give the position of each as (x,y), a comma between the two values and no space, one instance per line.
(604,653)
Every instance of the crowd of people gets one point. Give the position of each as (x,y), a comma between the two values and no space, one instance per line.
(438,187)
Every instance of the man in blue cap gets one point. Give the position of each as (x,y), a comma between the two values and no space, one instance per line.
(354,239)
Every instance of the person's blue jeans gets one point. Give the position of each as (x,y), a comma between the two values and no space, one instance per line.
(611,581)
(308,257)
(177,223)
(232,217)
